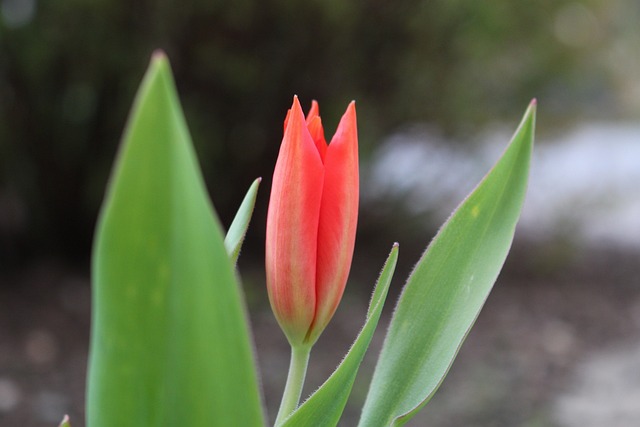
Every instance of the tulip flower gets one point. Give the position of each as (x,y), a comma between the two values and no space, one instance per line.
(311,223)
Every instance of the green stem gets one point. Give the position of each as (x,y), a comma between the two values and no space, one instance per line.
(295,380)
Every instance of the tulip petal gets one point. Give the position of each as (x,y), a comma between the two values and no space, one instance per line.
(314,123)
(338,220)
(314,111)
(317,133)
(292,228)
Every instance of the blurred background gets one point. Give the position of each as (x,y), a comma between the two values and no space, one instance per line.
(440,87)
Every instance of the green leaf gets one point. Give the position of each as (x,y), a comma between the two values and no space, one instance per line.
(325,406)
(448,287)
(238,228)
(170,342)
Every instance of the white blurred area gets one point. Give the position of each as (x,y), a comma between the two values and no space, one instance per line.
(610,376)
(584,183)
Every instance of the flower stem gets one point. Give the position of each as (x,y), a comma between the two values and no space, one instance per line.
(295,380)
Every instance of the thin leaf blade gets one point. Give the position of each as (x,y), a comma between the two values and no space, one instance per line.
(170,343)
(325,406)
(448,287)
(240,224)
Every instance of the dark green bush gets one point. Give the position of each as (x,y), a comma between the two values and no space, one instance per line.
(69,69)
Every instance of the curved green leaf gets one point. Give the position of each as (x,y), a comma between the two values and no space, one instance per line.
(325,406)
(170,342)
(238,229)
(448,287)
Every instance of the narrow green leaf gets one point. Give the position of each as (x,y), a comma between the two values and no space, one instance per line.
(448,287)
(238,228)
(169,341)
(325,406)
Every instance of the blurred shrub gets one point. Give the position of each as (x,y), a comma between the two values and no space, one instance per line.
(69,70)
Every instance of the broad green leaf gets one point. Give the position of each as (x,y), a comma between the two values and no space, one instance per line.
(448,287)
(325,406)
(169,341)
(238,228)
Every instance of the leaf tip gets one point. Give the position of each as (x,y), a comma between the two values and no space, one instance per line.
(158,55)
(159,63)
(531,110)
(65,422)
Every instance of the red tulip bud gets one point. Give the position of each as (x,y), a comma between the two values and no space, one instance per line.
(311,224)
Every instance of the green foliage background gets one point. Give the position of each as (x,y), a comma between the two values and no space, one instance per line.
(69,70)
